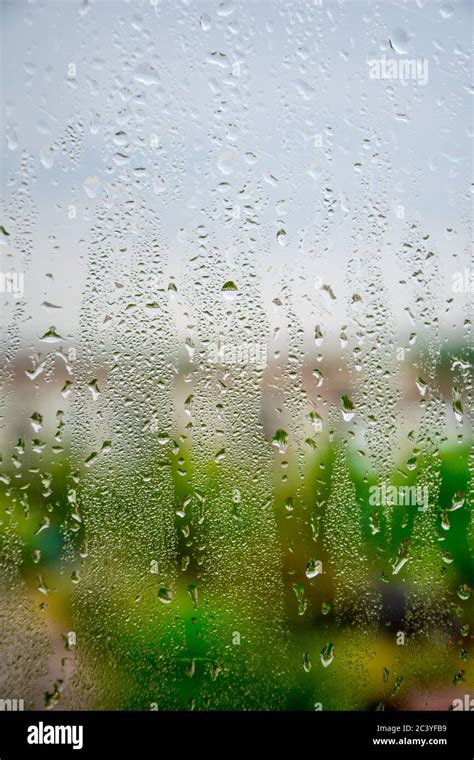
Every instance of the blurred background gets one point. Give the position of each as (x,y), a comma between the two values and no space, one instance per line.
(236,288)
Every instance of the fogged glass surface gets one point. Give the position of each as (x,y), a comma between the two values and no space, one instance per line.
(236,293)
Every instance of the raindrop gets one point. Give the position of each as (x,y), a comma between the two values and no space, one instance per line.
(327,654)
(347,408)
(313,568)
(280,440)
(51,336)
(165,596)
(229,290)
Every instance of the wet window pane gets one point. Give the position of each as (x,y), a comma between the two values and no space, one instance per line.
(236,294)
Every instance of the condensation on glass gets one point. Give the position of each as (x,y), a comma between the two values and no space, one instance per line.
(236,294)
